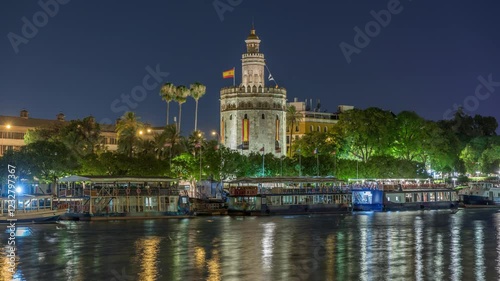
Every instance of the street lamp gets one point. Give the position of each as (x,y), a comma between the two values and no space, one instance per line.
(217,135)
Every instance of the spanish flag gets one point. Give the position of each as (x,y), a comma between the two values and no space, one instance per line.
(228,74)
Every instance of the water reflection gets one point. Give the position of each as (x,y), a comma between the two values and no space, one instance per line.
(438,257)
(455,247)
(268,245)
(385,246)
(479,250)
(147,257)
(419,246)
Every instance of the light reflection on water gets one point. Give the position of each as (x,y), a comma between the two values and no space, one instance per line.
(371,246)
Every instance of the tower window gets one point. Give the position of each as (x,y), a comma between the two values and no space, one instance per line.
(230,117)
(263,116)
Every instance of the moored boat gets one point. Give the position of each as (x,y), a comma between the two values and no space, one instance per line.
(288,195)
(27,209)
(402,195)
(122,198)
(481,194)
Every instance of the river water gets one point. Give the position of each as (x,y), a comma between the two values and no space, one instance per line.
(423,245)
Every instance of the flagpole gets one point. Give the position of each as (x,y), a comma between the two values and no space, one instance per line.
(317,162)
(271,75)
(234,77)
(263,161)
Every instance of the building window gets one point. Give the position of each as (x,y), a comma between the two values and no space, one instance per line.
(296,128)
(230,117)
(288,141)
(319,129)
(263,116)
(325,129)
(311,128)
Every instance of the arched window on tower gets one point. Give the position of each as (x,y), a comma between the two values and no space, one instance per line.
(231,117)
(263,116)
(325,129)
(245,137)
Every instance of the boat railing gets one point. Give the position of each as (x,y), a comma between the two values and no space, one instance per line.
(399,187)
(317,190)
(130,192)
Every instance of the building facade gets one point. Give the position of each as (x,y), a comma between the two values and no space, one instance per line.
(312,119)
(13,129)
(253,115)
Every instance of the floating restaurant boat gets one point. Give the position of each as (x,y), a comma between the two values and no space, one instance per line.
(402,195)
(480,195)
(28,209)
(288,195)
(115,198)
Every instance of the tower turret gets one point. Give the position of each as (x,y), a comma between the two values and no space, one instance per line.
(253,62)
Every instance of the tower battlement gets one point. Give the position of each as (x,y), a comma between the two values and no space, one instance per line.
(252,90)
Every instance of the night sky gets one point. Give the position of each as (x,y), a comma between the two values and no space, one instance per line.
(427,58)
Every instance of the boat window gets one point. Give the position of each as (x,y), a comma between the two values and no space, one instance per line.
(447,196)
(432,196)
(409,198)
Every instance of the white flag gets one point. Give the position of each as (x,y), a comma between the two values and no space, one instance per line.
(270,78)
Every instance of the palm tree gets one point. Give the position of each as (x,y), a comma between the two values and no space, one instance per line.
(167,93)
(181,95)
(292,117)
(127,130)
(197,91)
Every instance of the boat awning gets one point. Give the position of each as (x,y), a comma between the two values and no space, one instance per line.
(285,180)
(73,179)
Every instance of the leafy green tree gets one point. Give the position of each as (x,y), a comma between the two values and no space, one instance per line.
(128,131)
(293,118)
(410,135)
(367,132)
(47,160)
(46,133)
(83,137)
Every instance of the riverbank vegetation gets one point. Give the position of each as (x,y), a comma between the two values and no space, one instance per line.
(369,143)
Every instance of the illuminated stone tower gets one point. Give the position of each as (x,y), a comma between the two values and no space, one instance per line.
(252,115)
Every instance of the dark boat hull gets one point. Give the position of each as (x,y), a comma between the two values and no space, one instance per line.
(33,220)
(293,210)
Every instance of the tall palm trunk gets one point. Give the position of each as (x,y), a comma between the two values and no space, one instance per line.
(180,114)
(168,108)
(291,135)
(196,116)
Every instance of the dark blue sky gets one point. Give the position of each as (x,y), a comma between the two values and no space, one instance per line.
(426,59)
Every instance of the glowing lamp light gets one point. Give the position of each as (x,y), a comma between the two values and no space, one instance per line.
(7,126)
(19,189)
(149,130)
(140,132)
